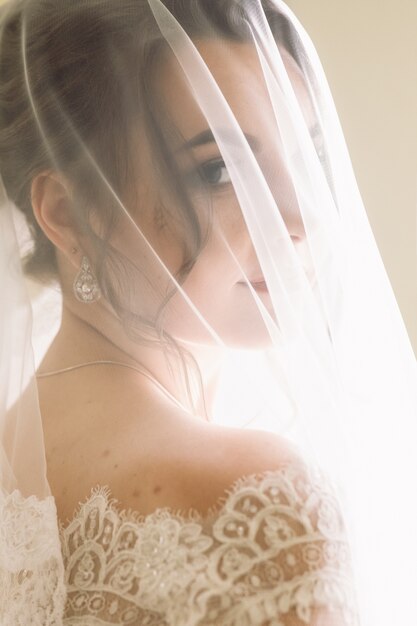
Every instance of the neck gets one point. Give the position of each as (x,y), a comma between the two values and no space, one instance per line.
(94,333)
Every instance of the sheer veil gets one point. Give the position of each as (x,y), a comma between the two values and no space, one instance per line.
(218,215)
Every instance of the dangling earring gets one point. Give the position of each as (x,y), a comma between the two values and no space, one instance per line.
(85,285)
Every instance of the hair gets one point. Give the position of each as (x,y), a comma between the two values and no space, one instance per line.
(71,72)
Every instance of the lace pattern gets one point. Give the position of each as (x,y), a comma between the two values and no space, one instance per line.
(32,589)
(273,546)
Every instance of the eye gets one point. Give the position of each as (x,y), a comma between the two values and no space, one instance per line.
(214,172)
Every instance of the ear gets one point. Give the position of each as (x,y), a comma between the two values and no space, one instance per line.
(51,202)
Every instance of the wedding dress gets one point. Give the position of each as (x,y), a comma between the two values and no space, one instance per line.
(187,193)
(273,552)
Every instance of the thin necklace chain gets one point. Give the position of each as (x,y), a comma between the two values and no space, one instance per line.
(109,362)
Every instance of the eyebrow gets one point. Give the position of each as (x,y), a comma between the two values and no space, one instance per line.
(207,137)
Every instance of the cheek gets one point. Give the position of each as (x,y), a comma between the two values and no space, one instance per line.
(228,228)
(212,276)
(222,308)
(211,283)
(209,286)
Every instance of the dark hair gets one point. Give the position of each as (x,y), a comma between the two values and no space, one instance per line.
(87,62)
(67,49)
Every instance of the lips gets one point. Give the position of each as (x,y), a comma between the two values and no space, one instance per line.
(258,284)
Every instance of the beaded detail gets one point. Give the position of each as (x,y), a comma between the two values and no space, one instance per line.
(273,549)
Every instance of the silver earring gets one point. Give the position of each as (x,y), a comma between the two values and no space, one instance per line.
(85,285)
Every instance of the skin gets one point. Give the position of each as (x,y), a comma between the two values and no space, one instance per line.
(150,427)
(216,271)
(112,426)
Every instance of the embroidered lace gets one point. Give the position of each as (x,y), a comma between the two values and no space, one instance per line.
(32,587)
(273,549)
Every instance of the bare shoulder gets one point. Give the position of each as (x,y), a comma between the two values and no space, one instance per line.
(223,456)
(188,464)
(148,453)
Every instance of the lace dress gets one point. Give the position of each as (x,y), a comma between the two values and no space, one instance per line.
(272,552)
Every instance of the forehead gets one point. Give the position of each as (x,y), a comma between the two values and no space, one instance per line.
(238,73)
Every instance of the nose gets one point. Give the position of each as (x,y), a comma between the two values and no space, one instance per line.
(282,188)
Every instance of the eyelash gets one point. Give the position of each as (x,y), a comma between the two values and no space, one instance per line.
(198,179)
(200,176)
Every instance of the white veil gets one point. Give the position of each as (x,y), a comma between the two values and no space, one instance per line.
(298,305)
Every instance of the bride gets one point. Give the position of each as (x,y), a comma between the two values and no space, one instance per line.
(194,446)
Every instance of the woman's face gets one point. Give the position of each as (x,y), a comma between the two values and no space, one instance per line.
(215,285)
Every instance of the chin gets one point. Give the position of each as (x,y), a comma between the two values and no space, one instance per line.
(240,334)
(246,326)
(246,330)
(238,324)
(252,337)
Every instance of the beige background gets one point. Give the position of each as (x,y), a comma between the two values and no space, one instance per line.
(369,52)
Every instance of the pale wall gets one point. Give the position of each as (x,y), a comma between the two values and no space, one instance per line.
(369,52)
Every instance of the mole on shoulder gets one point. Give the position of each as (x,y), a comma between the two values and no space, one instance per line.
(136,493)
(157,489)
(106,452)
